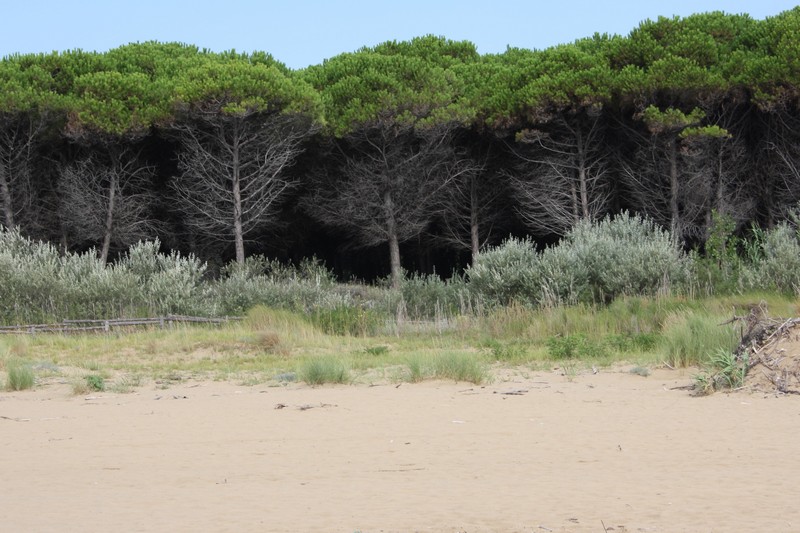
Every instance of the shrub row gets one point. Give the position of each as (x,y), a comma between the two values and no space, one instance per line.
(594,263)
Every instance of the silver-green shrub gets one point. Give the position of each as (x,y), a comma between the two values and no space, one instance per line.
(777,265)
(260,281)
(429,296)
(595,262)
(507,273)
(621,255)
(38,284)
(167,283)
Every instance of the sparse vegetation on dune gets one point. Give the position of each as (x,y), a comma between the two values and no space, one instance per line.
(320,331)
(278,346)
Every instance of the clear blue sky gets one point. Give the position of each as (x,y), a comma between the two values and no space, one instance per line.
(304,32)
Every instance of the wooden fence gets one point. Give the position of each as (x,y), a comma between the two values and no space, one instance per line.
(107,325)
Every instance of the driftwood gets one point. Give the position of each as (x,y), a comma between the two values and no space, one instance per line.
(763,349)
(106,325)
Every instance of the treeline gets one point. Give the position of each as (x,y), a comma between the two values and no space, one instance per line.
(423,147)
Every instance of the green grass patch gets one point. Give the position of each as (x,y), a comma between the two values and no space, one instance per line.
(95,382)
(513,352)
(377,350)
(576,346)
(321,370)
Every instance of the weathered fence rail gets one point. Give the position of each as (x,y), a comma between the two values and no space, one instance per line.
(106,325)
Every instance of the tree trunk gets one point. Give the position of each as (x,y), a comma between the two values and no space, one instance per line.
(583,186)
(475,239)
(5,192)
(720,190)
(674,187)
(394,258)
(394,243)
(576,213)
(474,228)
(238,234)
(109,226)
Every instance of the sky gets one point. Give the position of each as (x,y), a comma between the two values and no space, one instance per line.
(300,33)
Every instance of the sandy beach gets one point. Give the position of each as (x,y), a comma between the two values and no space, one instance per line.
(530,452)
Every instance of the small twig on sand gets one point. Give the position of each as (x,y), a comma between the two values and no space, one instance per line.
(15,419)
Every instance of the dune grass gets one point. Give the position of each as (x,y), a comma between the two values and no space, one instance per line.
(269,345)
(20,375)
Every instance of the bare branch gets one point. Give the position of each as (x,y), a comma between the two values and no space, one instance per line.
(563,176)
(107,199)
(233,171)
(387,189)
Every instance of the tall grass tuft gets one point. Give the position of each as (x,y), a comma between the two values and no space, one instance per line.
(416,368)
(321,370)
(459,367)
(348,320)
(20,376)
(689,338)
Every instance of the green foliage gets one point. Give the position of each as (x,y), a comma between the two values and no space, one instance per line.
(718,270)
(671,119)
(95,382)
(238,87)
(632,343)
(425,79)
(623,255)
(723,370)
(721,242)
(406,83)
(576,346)
(170,282)
(511,352)
(118,104)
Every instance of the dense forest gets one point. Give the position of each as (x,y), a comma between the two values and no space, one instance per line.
(407,155)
